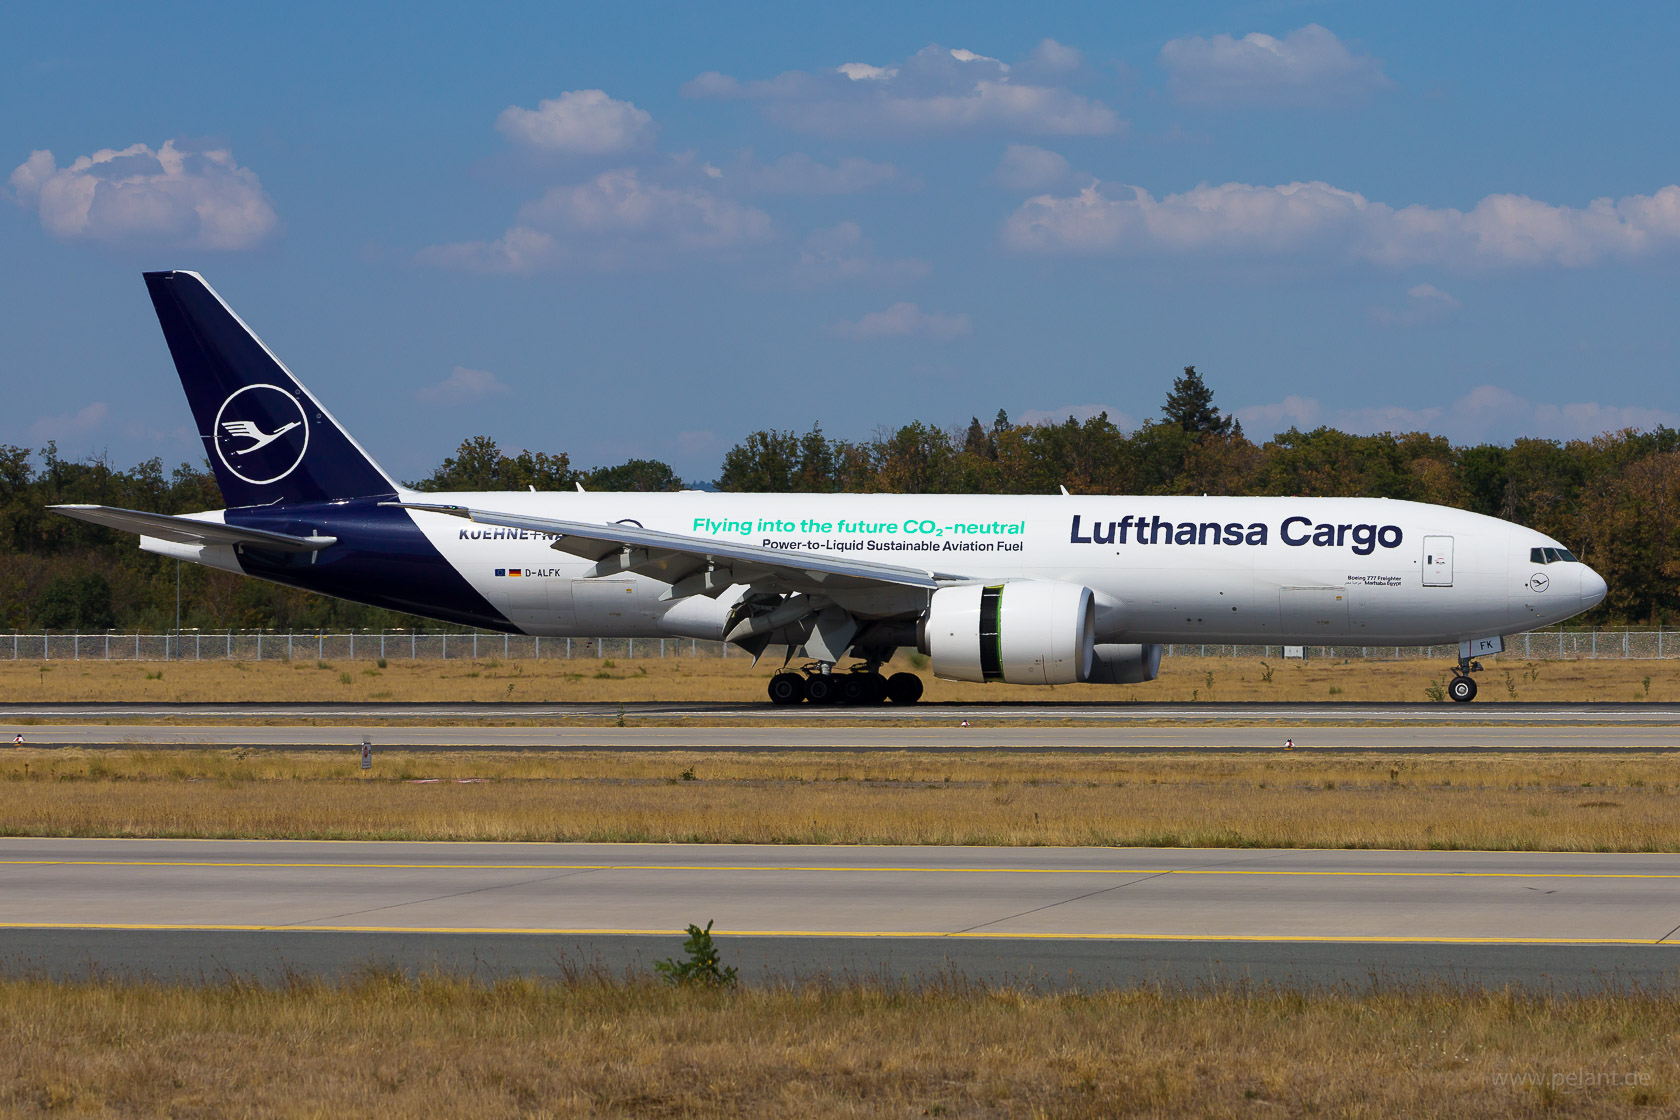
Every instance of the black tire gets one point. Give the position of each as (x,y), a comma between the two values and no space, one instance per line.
(853,689)
(821,688)
(1461,689)
(874,689)
(904,688)
(787,688)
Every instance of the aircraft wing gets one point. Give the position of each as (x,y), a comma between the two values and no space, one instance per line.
(701,565)
(187,530)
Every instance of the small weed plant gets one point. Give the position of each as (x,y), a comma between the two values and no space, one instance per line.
(702,966)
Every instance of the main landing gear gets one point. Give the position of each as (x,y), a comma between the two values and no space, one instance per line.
(1462,687)
(861,684)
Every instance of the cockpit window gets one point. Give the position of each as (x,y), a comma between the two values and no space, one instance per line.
(1550,556)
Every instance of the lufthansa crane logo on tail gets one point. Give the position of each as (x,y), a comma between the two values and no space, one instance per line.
(261,434)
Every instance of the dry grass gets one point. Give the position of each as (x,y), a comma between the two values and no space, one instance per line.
(1625,802)
(736,679)
(385,1046)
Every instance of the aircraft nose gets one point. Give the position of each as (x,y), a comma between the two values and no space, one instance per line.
(1593,588)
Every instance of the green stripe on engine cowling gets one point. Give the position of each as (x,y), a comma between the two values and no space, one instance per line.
(991,633)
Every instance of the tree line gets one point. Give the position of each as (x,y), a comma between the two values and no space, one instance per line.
(1614,500)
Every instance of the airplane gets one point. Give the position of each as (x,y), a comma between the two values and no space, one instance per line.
(1023,589)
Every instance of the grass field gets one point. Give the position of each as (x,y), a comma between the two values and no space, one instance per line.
(736,679)
(591,1046)
(1627,802)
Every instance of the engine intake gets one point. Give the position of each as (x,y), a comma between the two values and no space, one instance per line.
(1022,632)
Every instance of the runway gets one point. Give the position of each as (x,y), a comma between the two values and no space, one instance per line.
(1066,915)
(1119,713)
(1147,739)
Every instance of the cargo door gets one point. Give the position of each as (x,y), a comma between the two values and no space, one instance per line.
(1437,561)
(604,607)
(1312,614)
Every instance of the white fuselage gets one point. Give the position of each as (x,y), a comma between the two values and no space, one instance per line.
(1351,571)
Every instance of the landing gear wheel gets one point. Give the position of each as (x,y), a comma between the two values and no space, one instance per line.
(787,688)
(904,688)
(1462,689)
(822,688)
(874,689)
(854,689)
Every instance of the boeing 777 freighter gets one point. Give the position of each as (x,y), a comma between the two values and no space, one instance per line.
(1024,589)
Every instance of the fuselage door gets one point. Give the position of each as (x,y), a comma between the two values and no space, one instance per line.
(604,606)
(1312,614)
(1437,561)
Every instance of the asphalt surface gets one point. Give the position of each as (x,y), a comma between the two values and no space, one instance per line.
(1417,739)
(1052,915)
(1119,712)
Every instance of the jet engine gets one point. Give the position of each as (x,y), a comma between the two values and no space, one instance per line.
(1125,664)
(1021,632)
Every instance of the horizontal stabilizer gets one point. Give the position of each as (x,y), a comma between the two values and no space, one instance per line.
(189,530)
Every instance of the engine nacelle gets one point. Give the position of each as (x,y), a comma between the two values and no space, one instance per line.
(1023,632)
(1125,664)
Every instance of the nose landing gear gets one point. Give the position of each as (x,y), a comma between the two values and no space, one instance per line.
(1462,687)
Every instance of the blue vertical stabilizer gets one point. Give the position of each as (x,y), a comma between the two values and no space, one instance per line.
(267,438)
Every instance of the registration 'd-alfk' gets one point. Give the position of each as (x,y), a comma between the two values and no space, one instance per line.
(1049,589)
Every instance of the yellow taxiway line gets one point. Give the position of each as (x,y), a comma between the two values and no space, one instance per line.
(946,934)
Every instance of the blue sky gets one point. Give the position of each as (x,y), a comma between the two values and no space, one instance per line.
(644,231)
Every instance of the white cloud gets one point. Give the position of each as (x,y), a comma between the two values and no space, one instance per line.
(1308,66)
(137,196)
(579,122)
(463,385)
(799,174)
(620,204)
(1425,303)
(1303,219)
(904,320)
(842,252)
(1053,56)
(1028,168)
(1486,412)
(86,419)
(519,250)
(1080,412)
(614,219)
(935,90)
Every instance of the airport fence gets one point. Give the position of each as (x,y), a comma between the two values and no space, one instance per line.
(368,645)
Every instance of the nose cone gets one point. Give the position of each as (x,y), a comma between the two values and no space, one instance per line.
(1593,588)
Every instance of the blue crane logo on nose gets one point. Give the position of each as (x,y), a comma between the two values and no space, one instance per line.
(1538,582)
(261,433)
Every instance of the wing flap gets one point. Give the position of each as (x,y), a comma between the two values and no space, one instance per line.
(190,530)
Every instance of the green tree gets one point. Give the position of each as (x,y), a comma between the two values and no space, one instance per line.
(76,602)
(479,465)
(1190,406)
(643,475)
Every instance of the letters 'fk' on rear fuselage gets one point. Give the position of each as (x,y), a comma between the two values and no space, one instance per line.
(1036,589)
